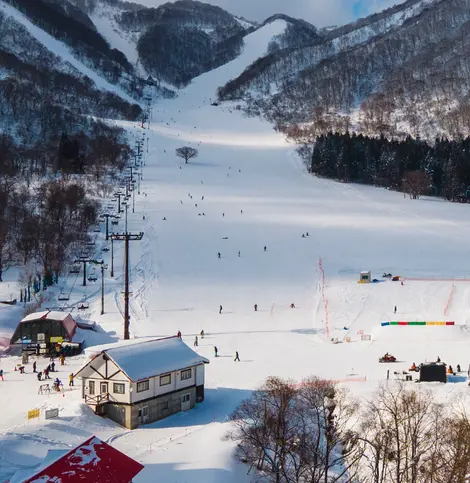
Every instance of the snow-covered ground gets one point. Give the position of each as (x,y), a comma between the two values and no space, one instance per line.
(256,194)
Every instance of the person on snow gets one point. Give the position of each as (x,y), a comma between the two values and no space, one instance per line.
(70,379)
(306,234)
(238,253)
(178,334)
(39,376)
(220,309)
(450,370)
(62,359)
(256,307)
(237,357)
(241,212)
(1,374)
(303,235)
(216,352)
(34,366)
(292,306)
(52,366)
(195,204)
(195,341)
(395,310)
(265,248)
(218,255)
(57,384)
(46,373)
(413,367)
(458,367)
(223,214)
(202,334)
(202,198)
(21,369)
(164,218)
(438,359)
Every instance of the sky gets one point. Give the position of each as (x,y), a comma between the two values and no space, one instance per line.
(321,13)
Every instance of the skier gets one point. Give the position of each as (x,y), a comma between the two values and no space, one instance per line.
(218,255)
(220,309)
(21,369)
(34,366)
(181,201)
(202,199)
(395,310)
(70,379)
(195,204)
(241,212)
(292,306)
(256,307)
(439,360)
(46,373)
(458,367)
(178,335)
(39,376)
(164,218)
(306,234)
(237,358)
(303,236)
(265,248)
(57,384)
(195,342)
(1,374)
(238,253)
(216,352)
(52,366)
(202,334)
(62,359)
(223,215)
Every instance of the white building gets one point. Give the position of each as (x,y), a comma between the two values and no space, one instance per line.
(144,382)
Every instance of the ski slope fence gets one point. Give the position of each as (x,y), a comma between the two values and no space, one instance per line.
(449,299)
(324,299)
(440,323)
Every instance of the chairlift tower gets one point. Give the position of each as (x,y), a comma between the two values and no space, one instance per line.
(126,237)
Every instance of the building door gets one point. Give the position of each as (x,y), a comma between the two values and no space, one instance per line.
(143,414)
(104,388)
(185,402)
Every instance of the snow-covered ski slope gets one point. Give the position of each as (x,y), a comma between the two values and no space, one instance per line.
(256,194)
(63,51)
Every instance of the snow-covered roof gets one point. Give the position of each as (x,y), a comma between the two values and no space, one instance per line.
(92,461)
(148,359)
(47,314)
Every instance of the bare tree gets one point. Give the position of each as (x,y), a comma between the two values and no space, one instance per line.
(415,183)
(186,153)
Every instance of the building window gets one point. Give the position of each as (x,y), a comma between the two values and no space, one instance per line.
(119,388)
(143,386)
(165,406)
(165,380)
(185,398)
(91,387)
(186,374)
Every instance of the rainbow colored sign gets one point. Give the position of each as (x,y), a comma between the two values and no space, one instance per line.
(417,323)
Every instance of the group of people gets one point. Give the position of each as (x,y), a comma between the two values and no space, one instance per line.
(196,344)
(219,255)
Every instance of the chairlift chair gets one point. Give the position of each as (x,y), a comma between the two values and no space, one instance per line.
(83,306)
(105,249)
(63,297)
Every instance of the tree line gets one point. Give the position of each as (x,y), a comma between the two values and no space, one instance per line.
(48,197)
(315,432)
(412,165)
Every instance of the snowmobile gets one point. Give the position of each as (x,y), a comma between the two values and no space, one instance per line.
(388,358)
(386,275)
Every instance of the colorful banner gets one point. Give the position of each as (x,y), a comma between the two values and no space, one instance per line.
(408,323)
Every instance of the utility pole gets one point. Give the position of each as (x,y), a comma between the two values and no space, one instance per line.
(103,267)
(119,202)
(112,256)
(127,237)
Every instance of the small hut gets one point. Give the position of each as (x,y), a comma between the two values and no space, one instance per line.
(365,277)
(433,372)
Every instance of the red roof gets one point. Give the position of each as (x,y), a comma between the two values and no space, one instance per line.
(90,462)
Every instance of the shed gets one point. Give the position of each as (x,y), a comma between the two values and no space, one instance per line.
(365,277)
(47,327)
(433,372)
(91,461)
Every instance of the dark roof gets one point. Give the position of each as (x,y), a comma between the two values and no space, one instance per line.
(93,461)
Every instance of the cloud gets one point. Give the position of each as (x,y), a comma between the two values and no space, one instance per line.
(319,12)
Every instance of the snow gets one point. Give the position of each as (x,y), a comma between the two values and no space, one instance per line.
(62,51)
(140,361)
(178,283)
(104,17)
